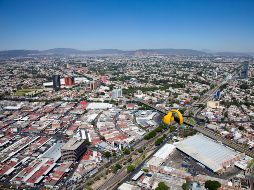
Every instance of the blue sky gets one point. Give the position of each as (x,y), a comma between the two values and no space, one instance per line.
(224,25)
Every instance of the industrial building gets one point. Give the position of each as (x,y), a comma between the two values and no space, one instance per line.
(73,149)
(160,156)
(213,155)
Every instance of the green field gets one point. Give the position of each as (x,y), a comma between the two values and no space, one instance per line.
(22,92)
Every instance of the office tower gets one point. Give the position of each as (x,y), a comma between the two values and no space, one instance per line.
(56,82)
(245,70)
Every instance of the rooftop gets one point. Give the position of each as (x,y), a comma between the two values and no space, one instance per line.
(73,144)
(206,151)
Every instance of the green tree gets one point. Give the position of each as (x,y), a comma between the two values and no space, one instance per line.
(212,185)
(186,186)
(126,151)
(173,128)
(107,154)
(140,150)
(162,186)
(116,168)
(130,168)
(150,135)
(145,170)
(159,129)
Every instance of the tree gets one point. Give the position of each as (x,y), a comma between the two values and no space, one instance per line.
(145,170)
(159,129)
(129,159)
(107,154)
(158,141)
(212,185)
(140,150)
(173,128)
(241,128)
(186,186)
(130,168)
(162,186)
(150,135)
(126,151)
(102,138)
(116,168)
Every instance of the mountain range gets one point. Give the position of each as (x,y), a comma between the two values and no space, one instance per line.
(112,52)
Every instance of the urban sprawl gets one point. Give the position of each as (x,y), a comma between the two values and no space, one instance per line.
(73,122)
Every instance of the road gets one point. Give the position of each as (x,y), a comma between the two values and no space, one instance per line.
(122,175)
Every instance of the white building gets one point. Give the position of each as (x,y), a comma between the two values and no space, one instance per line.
(117,93)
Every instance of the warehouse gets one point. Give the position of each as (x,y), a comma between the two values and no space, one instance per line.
(160,156)
(209,153)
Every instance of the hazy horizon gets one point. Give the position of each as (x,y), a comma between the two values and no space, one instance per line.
(202,50)
(219,26)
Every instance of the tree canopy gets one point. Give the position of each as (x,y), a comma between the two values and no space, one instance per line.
(162,186)
(212,185)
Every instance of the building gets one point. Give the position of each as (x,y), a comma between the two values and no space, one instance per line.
(117,93)
(56,82)
(95,84)
(128,186)
(209,153)
(104,79)
(69,81)
(213,104)
(160,157)
(245,70)
(73,149)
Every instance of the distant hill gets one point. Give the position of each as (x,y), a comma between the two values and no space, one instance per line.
(104,52)
(168,52)
(17,53)
(61,51)
(232,54)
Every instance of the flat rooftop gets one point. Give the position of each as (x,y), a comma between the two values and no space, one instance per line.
(208,152)
(73,144)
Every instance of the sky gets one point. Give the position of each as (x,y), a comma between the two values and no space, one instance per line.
(218,25)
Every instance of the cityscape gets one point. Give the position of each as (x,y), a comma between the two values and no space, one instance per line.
(119,119)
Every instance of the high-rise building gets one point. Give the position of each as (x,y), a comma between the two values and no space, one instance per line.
(117,93)
(244,74)
(56,82)
(69,81)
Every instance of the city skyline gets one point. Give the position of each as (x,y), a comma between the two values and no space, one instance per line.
(127,25)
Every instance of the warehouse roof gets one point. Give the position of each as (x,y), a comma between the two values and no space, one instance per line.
(164,151)
(206,151)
